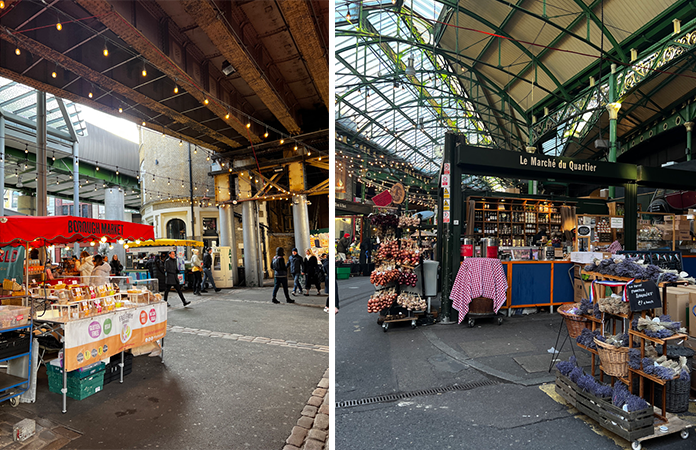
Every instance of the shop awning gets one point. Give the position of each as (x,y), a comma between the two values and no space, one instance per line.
(168,243)
(41,231)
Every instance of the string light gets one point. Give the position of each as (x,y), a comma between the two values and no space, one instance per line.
(205,102)
(18,51)
(59,26)
(106,50)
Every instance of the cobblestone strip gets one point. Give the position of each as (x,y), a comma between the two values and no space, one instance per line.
(312,429)
(252,339)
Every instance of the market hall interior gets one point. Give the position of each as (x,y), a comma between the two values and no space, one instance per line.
(514,209)
(204,124)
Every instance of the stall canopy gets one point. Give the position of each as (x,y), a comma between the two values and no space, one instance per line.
(168,243)
(43,231)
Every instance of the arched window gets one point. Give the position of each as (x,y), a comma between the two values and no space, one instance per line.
(176,229)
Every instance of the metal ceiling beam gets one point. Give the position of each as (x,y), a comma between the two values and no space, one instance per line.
(232,48)
(102,80)
(605,31)
(107,15)
(299,19)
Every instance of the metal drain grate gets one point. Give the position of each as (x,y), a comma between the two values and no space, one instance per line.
(403,395)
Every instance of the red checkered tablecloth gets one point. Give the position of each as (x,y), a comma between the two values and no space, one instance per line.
(478,277)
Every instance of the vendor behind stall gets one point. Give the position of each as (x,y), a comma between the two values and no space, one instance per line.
(342,247)
(541,238)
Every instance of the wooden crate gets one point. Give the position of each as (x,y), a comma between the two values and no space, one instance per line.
(628,425)
(566,388)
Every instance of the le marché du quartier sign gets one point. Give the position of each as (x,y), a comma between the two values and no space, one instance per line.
(505,163)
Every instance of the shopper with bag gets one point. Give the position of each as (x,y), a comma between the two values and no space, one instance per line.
(311,267)
(197,270)
(171,269)
(295,263)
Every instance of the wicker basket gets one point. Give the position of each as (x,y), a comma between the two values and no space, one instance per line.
(677,398)
(574,323)
(614,360)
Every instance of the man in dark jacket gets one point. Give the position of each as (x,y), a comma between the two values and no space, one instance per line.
(207,271)
(295,265)
(171,270)
(280,275)
(343,246)
(158,268)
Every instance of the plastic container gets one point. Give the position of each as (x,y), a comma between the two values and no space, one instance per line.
(13,316)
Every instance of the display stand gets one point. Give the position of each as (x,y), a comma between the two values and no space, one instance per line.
(642,376)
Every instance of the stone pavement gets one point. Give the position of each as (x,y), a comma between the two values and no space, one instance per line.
(49,435)
(237,373)
(312,429)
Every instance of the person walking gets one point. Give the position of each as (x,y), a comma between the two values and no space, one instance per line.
(150,265)
(101,271)
(325,268)
(196,269)
(171,270)
(295,262)
(207,271)
(310,271)
(116,266)
(160,274)
(280,275)
(86,267)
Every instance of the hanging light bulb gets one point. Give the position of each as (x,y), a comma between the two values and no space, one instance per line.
(181,143)
(227,116)
(2,5)
(54,74)
(59,26)
(195,150)
(143,123)
(168,182)
(90,95)
(106,50)
(117,170)
(265,135)
(176,89)
(248,124)
(348,15)
(281,141)
(144,72)
(18,51)
(205,102)
(120,110)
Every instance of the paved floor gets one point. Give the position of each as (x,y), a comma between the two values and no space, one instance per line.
(238,373)
(451,386)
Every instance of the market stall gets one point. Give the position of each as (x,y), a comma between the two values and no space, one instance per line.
(93,321)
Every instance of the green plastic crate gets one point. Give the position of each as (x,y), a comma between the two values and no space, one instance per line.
(78,388)
(342,273)
(79,373)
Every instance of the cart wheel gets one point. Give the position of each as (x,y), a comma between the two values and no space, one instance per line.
(500,320)
(413,324)
(14,402)
(385,327)
(635,445)
(684,434)
(471,323)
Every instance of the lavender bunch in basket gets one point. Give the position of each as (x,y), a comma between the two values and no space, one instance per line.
(585,306)
(586,338)
(659,334)
(664,373)
(634,359)
(684,375)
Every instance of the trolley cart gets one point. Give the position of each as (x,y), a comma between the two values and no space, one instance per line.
(673,425)
(482,308)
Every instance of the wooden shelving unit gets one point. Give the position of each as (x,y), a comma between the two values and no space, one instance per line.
(513,219)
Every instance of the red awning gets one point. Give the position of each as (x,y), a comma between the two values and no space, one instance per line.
(40,231)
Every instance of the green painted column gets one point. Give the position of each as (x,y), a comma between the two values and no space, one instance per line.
(449,233)
(689,126)
(613,108)
(630,216)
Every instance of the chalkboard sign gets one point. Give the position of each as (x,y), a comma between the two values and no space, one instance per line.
(644,295)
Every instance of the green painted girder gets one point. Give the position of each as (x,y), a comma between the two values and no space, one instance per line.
(647,33)
(86,170)
(590,13)
(345,102)
(659,50)
(446,79)
(522,48)
(400,67)
(452,57)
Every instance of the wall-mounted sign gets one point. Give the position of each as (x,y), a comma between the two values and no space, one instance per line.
(445,217)
(446,168)
(617,222)
(398,193)
(445,205)
(446,193)
(445,181)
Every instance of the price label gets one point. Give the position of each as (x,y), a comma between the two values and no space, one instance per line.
(644,295)
(617,222)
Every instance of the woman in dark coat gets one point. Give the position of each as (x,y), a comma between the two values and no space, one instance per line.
(171,270)
(116,266)
(158,265)
(310,271)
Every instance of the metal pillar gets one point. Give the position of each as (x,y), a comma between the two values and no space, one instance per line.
(300,213)
(689,126)
(114,206)
(613,109)
(448,242)
(630,215)
(193,216)
(2,164)
(250,225)
(41,192)
(227,236)
(76,189)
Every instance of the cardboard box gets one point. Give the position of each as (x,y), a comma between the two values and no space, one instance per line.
(581,290)
(678,302)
